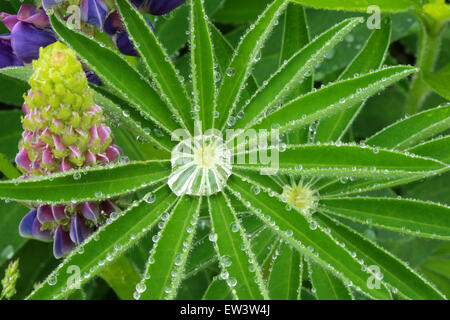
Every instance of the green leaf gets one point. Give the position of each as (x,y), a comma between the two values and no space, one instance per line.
(369,58)
(19,73)
(331,99)
(408,132)
(8,170)
(118,74)
(244,58)
(439,81)
(419,218)
(16,89)
(85,185)
(218,290)
(158,63)
(122,277)
(293,71)
(168,258)
(313,241)
(284,281)
(395,273)
(237,261)
(202,64)
(238,12)
(104,246)
(437,149)
(360,5)
(326,285)
(344,161)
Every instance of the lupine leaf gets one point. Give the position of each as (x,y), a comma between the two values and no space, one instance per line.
(284,281)
(157,61)
(122,277)
(108,243)
(295,229)
(167,261)
(85,185)
(345,161)
(396,274)
(293,71)
(423,219)
(243,60)
(218,290)
(202,64)
(369,58)
(410,131)
(8,170)
(360,5)
(119,74)
(238,263)
(331,99)
(438,149)
(326,285)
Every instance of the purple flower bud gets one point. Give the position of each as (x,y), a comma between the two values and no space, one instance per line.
(62,244)
(59,213)
(104,132)
(26,225)
(94,12)
(102,158)
(90,158)
(113,152)
(113,24)
(45,214)
(109,207)
(50,3)
(75,153)
(64,165)
(160,7)
(22,159)
(78,229)
(91,211)
(47,158)
(94,135)
(59,146)
(25,108)
(125,45)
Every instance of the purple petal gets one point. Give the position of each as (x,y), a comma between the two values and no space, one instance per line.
(39,19)
(7,56)
(89,158)
(125,45)
(50,3)
(58,144)
(78,229)
(26,225)
(62,244)
(159,7)
(104,132)
(64,165)
(47,158)
(26,11)
(45,214)
(93,12)
(113,24)
(22,159)
(113,152)
(91,211)
(59,213)
(37,233)
(26,39)
(92,77)
(108,207)
(9,20)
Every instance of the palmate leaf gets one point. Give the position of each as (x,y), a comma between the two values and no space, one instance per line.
(118,74)
(369,58)
(168,258)
(86,185)
(285,277)
(360,5)
(314,242)
(158,63)
(326,285)
(244,58)
(423,219)
(237,261)
(346,161)
(108,243)
(330,100)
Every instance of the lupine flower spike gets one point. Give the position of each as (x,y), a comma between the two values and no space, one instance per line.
(63,130)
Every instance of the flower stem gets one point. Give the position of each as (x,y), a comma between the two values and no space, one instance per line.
(428,51)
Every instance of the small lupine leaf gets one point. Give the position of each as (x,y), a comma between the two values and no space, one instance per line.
(224,53)
(167,261)
(360,5)
(238,263)
(295,37)
(19,73)
(293,71)
(386,268)
(105,245)
(284,280)
(344,161)
(326,285)
(408,132)
(306,236)
(437,149)
(331,99)
(86,185)
(122,277)
(369,58)
(245,56)
(423,219)
(158,63)
(218,290)
(116,72)
(204,75)
(8,170)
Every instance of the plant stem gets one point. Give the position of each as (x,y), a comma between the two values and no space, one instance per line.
(428,51)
